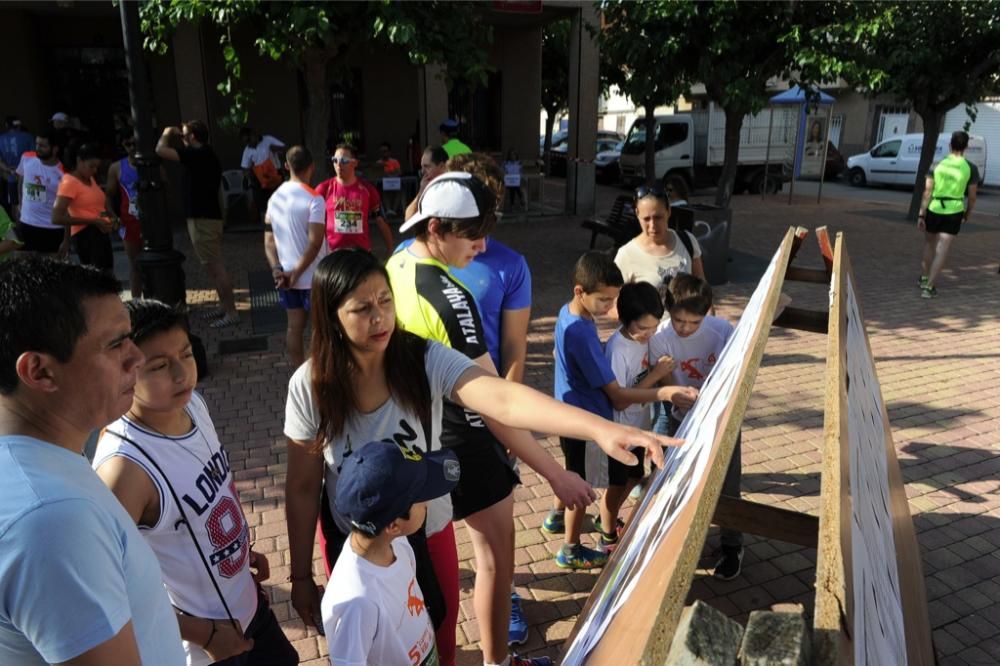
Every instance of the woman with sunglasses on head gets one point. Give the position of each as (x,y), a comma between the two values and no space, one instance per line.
(658,253)
(369,380)
(123,186)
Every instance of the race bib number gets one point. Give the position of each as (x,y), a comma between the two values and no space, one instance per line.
(512,180)
(390,185)
(133,207)
(34,192)
(347,222)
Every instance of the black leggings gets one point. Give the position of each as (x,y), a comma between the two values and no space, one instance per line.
(94,249)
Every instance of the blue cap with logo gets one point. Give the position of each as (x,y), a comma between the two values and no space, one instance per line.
(380,481)
(448,125)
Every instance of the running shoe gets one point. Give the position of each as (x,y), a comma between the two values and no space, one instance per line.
(554,523)
(619,527)
(923,281)
(607,542)
(928,292)
(525,661)
(517,633)
(580,557)
(730,563)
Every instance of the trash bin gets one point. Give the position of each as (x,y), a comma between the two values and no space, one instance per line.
(711,226)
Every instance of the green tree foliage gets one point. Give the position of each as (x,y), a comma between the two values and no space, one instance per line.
(644,49)
(934,55)
(736,48)
(318,38)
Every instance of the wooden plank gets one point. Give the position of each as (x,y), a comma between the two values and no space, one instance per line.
(912,587)
(641,631)
(894,596)
(803,320)
(825,250)
(834,607)
(798,237)
(772,522)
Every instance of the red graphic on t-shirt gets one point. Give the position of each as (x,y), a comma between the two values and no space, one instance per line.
(414,604)
(692,372)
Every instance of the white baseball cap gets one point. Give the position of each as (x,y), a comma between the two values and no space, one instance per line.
(59,116)
(455,195)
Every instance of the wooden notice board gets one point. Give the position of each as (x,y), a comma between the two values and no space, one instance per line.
(871,603)
(633,611)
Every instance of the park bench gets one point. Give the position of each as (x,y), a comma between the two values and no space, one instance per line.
(620,225)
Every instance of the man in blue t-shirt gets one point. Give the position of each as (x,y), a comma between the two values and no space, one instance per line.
(78,583)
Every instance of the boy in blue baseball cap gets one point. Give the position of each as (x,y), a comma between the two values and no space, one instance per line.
(373,609)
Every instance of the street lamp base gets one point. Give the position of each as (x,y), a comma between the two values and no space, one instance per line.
(163,277)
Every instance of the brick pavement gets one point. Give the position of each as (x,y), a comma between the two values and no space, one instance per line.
(936,361)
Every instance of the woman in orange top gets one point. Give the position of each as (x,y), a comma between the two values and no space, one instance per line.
(81,205)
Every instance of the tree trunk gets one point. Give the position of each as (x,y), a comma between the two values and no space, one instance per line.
(727,179)
(317,115)
(650,152)
(932,128)
(550,121)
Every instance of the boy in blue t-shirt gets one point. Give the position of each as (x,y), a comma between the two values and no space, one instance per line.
(584,378)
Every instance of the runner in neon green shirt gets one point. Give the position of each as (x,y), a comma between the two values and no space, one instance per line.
(944,209)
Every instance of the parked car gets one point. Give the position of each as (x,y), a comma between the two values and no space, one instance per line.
(606,141)
(557,137)
(894,161)
(606,163)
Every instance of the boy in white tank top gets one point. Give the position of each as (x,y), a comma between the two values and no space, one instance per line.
(165,464)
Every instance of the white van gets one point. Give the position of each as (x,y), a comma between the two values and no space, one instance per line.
(894,161)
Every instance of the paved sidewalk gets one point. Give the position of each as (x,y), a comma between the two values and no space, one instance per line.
(937,361)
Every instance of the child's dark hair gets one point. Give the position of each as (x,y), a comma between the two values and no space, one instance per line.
(689,293)
(594,270)
(636,300)
(151,317)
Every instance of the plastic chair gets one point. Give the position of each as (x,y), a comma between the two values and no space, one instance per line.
(233,186)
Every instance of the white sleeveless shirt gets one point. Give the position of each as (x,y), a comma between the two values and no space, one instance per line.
(198,469)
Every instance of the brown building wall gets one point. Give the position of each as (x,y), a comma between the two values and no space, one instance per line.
(24,94)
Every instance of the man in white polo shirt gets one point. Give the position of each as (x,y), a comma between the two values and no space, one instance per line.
(38,176)
(294,242)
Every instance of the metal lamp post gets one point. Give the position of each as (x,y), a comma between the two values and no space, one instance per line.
(159,262)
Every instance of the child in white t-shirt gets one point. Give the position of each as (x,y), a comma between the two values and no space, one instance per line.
(639,312)
(375,614)
(695,340)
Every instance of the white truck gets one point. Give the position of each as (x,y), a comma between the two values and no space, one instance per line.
(895,160)
(693,146)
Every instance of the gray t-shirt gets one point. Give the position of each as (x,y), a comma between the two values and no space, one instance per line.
(390,422)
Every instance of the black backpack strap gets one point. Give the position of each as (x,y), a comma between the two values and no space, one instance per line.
(688,241)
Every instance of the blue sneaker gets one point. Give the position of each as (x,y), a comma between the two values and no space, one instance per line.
(517,633)
(525,661)
(554,523)
(580,557)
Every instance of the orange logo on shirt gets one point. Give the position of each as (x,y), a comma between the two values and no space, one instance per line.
(414,604)
(693,372)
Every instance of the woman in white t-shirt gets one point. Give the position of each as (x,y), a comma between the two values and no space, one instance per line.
(368,380)
(657,254)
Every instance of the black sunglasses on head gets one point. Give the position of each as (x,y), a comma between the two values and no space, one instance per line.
(654,191)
